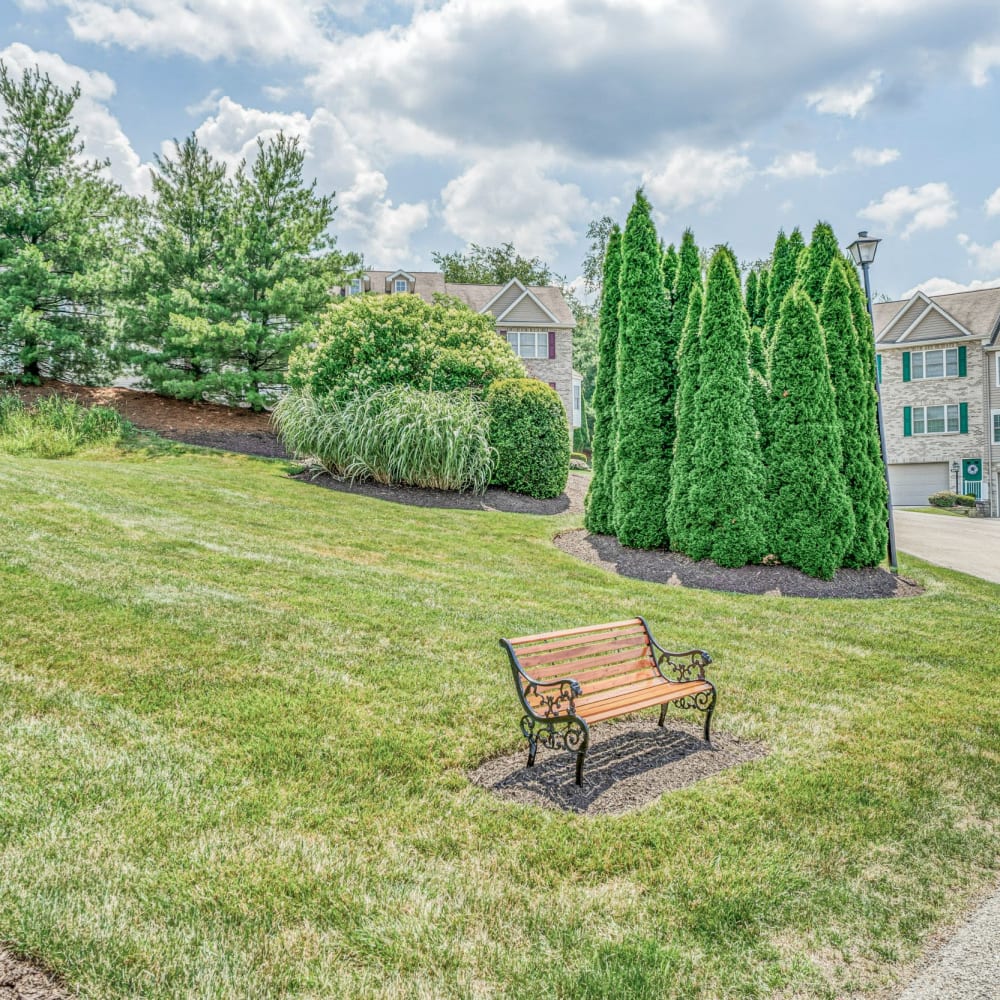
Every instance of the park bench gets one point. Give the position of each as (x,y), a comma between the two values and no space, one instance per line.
(569,680)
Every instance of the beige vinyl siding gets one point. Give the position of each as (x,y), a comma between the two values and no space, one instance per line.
(506,300)
(526,311)
(933,326)
(906,320)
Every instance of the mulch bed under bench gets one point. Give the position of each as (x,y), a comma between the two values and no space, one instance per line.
(569,680)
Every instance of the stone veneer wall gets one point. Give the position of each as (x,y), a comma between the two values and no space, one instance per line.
(558,369)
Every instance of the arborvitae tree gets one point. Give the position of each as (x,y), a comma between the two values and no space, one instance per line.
(668,265)
(645,387)
(759,391)
(814,266)
(784,264)
(687,276)
(727,476)
(854,396)
(680,502)
(750,296)
(61,237)
(759,315)
(862,321)
(812,521)
(599,508)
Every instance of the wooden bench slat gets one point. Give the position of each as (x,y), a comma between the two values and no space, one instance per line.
(568,645)
(579,669)
(600,711)
(623,691)
(595,690)
(521,640)
(605,645)
(622,670)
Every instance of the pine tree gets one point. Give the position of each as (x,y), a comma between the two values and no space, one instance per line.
(599,509)
(61,238)
(727,476)
(668,265)
(679,505)
(812,522)
(645,386)
(854,396)
(814,266)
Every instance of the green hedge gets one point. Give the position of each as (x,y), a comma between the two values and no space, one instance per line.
(530,434)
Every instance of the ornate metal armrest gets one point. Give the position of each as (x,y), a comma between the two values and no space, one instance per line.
(555,698)
(683,666)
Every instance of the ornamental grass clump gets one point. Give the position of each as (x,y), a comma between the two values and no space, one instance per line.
(56,427)
(396,435)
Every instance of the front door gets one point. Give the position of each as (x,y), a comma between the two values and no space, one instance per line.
(972,474)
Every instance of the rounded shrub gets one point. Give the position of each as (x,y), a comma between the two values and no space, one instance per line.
(530,433)
(946,498)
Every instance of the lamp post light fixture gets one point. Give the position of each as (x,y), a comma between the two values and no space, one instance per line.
(863,251)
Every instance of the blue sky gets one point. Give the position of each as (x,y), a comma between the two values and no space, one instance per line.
(456,121)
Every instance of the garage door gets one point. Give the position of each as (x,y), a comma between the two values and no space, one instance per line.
(913,484)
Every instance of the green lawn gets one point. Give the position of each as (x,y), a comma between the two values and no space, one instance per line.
(236,713)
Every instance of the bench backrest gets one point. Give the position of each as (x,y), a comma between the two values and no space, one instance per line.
(598,657)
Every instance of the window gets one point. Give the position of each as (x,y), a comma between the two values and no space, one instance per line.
(934,364)
(355,287)
(529,343)
(936,419)
(996,426)
(400,285)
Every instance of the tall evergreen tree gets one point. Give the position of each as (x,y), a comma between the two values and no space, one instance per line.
(750,296)
(61,237)
(727,478)
(669,267)
(599,508)
(760,394)
(680,501)
(814,266)
(645,387)
(784,264)
(812,521)
(688,275)
(862,321)
(854,396)
(759,316)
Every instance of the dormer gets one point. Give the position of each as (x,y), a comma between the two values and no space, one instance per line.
(399,283)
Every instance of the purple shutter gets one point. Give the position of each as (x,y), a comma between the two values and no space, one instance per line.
(552,343)
(552,385)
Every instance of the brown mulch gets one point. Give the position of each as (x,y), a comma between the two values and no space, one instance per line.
(630,764)
(672,568)
(230,428)
(21,980)
(493,499)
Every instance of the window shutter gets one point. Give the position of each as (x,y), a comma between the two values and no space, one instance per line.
(963,418)
(906,366)
(907,421)
(961,362)
(552,343)
(878,368)
(552,385)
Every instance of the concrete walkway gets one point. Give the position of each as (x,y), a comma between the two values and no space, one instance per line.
(967,965)
(968,544)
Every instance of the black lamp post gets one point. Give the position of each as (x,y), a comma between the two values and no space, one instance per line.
(863,251)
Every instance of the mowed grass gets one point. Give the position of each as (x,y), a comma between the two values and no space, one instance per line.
(236,712)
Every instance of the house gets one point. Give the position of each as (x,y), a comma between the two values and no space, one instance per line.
(535,320)
(939,375)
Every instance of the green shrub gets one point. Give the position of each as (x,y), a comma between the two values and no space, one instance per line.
(56,427)
(965,500)
(946,498)
(530,432)
(393,435)
(370,341)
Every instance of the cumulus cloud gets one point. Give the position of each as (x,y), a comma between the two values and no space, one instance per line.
(992,205)
(701,177)
(100,130)
(982,58)
(864,156)
(845,101)
(509,198)
(984,258)
(929,206)
(945,286)
(794,165)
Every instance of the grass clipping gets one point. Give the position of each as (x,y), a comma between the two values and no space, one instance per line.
(397,435)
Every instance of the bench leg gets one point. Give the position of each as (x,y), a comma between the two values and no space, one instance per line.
(708,717)
(532,750)
(663,713)
(579,766)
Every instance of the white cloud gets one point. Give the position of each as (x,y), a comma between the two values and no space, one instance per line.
(930,206)
(508,198)
(791,166)
(367,219)
(945,286)
(985,258)
(864,156)
(208,103)
(845,101)
(981,59)
(100,130)
(992,204)
(693,176)
(276,93)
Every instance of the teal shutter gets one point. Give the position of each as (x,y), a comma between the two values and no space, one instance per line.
(961,362)
(907,420)
(878,368)
(963,418)
(906,366)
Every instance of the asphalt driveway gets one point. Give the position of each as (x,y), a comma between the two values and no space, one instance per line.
(968,544)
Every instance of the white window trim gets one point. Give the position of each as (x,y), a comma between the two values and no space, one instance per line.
(355,286)
(994,430)
(927,433)
(932,350)
(516,343)
(400,285)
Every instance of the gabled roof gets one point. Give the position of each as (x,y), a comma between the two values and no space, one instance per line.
(957,315)
(396,274)
(526,294)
